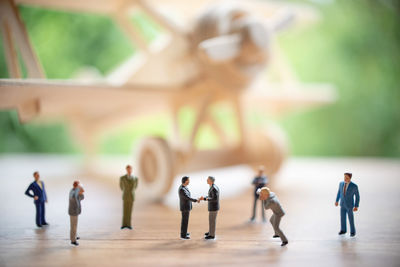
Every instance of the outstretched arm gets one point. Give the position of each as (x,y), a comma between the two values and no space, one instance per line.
(186,196)
(212,197)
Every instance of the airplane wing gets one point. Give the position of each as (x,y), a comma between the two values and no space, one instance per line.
(97,104)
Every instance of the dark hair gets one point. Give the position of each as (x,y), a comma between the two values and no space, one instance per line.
(212,178)
(128,166)
(184,179)
(348,174)
(36,172)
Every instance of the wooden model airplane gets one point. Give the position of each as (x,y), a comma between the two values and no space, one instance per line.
(212,59)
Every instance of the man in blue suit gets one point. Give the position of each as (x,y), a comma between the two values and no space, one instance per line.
(349,201)
(39,198)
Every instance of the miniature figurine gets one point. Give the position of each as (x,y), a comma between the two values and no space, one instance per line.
(128,184)
(39,198)
(74,209)
(259,181)
(271,201)
(346,193)
(185,206)
(213,207)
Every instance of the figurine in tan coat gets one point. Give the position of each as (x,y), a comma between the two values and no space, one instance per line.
(128,184)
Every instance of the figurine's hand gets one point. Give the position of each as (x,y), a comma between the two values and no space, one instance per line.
(355,209)
(46,200)
(35,197)
(201,198)
(336,204)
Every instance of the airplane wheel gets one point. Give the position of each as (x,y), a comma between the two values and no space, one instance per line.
(155,163)
(269,148)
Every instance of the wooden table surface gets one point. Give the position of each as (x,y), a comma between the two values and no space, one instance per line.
(306,187)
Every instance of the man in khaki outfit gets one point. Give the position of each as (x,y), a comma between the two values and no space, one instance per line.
(128,184)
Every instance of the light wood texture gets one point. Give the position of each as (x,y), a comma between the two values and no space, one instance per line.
(305,187)
(9,14)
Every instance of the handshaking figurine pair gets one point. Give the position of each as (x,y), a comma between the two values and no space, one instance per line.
(186,206)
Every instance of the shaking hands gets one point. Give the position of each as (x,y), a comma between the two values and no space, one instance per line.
(200,198)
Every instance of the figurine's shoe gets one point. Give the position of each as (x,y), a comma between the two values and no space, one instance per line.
(185,238)
(187,234)
(341,233)
(275,236)
(209,237)
(284,243)
(129,227)
(75,243)
(352,234)
(39,225)
(45,223)
(206,234)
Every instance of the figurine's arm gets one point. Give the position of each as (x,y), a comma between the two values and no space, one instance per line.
(337,196)
(186,196)
(81,196)
(28,191)
(136,183)
(44,192)
(121,183)
(357,198)
(213,197)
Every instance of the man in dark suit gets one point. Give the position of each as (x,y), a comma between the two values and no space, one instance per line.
(185,206)
(349,201)
(39,198)
(213,207)
(259,181)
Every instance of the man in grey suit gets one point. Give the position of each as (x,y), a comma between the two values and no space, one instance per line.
(271,201)
(213,207)
(74,209)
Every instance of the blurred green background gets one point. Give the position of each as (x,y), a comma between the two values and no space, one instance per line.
(355,46)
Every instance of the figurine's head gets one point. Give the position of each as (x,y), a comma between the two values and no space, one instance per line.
(128,169)
(210,180)
(36,175)
(75,184)
(185,180)
(261,170)
(347,177)
(264,193)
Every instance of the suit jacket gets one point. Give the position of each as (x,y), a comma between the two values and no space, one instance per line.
(347,200)
(213,198)
(128,187)
(74,207)
(185,201)
(272,202)
(258,182)
(37,191)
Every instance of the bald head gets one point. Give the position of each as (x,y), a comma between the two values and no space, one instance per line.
(264,193)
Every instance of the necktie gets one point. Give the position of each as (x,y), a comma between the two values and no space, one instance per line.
(344,189)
